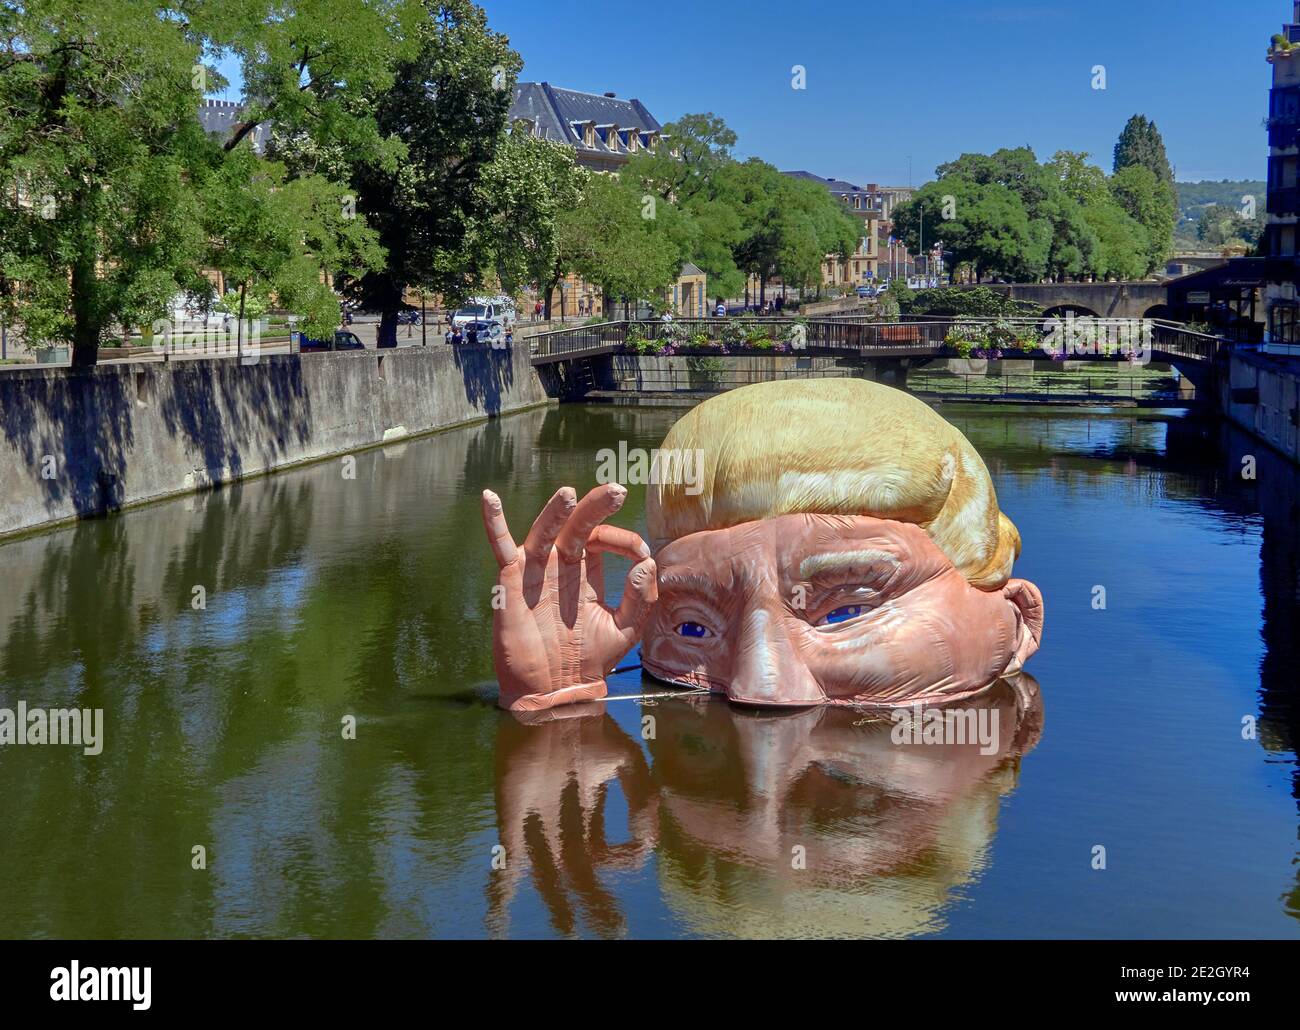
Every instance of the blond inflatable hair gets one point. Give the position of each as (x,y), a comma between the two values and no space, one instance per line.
(839,447)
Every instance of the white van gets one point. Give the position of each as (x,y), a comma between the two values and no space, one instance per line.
(486,309)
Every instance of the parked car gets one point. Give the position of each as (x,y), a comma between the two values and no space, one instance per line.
(486,309)
(342,340)
(865,291)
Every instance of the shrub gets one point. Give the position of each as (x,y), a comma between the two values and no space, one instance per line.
(733,334)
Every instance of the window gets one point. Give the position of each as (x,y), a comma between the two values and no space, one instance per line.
(1285,241)
(1282,323)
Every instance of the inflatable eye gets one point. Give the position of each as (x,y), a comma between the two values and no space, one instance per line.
(843,614)
(693,629)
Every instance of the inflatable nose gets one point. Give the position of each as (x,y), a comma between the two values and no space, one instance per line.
(766,669)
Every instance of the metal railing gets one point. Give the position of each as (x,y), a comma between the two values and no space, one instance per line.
(1049,384)
(584,339)
(860,336)
(707,379)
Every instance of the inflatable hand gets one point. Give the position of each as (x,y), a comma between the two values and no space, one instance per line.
(553,638)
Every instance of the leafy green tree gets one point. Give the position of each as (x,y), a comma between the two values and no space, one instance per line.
(98,142)
(688,170)
(1221,225)
(272,237)
(1153,204)
(1082,182)
(1122,244)
(989,231)
(694,148)
(113,172)
(614,240)
(528,187)
(446,107)
(308,65)
(813,225)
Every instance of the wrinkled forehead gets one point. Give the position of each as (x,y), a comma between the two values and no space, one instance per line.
(801,545)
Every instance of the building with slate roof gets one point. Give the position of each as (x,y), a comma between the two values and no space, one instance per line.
(604,130)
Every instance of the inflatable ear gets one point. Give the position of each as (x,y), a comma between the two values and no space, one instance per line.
(1028,602)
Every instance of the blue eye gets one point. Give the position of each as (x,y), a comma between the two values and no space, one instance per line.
(848,611)
(693,629)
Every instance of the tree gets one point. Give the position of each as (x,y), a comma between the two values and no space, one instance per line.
(307,64)
(528,187)
(1140,143)
(446,106)
(272,237)
(1153,204)
(1223,225)
(101,135)
(694,148)
(1082,182)
(688,170)
(812,224)
(99,138)
(989,230)
(1122,244)
(608,239)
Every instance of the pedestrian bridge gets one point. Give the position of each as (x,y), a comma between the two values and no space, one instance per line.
(859,336)
(572,360)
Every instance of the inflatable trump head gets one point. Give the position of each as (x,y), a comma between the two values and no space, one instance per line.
(842,544)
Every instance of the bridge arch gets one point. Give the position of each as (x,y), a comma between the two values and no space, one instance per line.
(1062,310)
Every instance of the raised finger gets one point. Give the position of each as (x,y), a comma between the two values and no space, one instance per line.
(549,522)
(599,504)
(498,533)
(617,540)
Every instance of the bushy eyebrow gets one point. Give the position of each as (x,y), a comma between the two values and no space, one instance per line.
(837,561)
(688,581)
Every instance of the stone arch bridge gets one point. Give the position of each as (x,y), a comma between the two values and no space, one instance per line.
(1100,300)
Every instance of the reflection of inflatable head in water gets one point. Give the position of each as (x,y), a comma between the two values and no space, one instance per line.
(765,824)
(844,544)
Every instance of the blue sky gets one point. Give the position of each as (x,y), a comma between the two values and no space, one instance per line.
(925,79)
